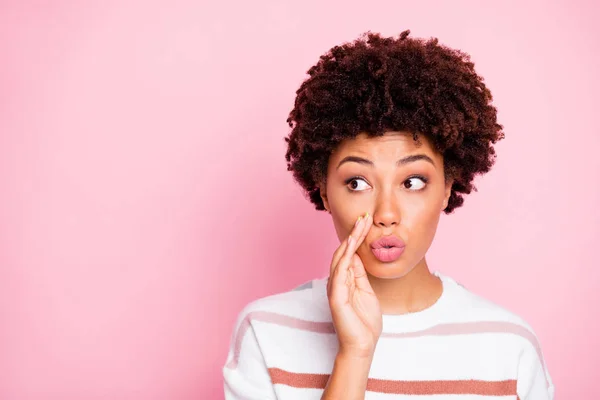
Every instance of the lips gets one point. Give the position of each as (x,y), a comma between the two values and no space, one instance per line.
(388,248)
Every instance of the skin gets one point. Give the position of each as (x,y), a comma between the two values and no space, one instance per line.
(391,200)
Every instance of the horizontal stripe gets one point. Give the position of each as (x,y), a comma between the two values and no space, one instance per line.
(277,319)
(470,387)
(462,328)
(475,327)
(301,381)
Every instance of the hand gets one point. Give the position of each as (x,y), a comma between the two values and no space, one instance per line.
(354,306)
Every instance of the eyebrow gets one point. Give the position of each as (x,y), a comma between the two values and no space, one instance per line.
(400,162)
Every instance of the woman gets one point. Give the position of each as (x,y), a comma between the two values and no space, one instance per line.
(387,133)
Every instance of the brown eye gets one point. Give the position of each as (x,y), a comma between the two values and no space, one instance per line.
(358,185)
(415,183)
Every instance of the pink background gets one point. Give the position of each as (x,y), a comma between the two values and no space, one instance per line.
(145,200)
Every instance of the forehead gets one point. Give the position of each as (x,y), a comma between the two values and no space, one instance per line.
(393,145)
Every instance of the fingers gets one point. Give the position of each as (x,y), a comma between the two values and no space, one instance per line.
(337,255)
(357,236)
(342,248)
(368,222)
(361,280)
(334,262)
(359,232)
(357,268)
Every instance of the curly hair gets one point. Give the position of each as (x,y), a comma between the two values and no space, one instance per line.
(376,84)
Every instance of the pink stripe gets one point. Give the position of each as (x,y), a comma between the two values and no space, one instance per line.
(463,328)
(467,328)
(432,387)
(277,319)
(291,322)
(238,342)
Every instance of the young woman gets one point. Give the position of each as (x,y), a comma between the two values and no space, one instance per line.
(387,133)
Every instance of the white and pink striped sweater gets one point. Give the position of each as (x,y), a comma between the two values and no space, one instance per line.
(463,347)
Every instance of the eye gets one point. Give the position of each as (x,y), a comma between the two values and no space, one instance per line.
(357,184)
(415,183)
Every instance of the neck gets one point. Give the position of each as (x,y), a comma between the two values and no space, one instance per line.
(417,290)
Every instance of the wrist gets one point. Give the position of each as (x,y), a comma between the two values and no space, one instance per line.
(355,354)
(350,375)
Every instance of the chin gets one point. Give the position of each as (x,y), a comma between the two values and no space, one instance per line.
(391,270)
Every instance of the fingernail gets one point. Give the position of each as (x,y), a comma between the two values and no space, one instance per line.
(358,220)
(367,214)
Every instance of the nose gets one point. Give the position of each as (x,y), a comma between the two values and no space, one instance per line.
(387,211)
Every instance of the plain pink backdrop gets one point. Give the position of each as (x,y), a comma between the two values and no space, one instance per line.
(145,199)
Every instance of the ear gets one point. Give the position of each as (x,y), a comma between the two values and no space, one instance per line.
(323,193)
(447,192)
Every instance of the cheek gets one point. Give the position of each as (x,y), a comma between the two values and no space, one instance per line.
(345,210)
(421,221)
(344,216)
(343,222)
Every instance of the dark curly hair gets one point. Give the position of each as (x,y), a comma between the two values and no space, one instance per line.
(377,84)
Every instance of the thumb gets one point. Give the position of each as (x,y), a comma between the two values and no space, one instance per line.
(360,274)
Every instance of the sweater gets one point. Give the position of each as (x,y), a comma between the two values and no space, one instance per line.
(462,347)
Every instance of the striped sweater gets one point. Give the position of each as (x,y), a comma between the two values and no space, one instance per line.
(463,347)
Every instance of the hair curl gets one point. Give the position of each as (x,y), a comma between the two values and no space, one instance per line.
(374,85)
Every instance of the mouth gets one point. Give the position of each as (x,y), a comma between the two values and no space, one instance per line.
(388,248)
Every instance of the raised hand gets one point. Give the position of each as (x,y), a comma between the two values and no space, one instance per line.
(354,306)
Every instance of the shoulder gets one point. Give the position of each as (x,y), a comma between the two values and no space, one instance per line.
(261,332)
(306,302)
(268,323)
(511,331)
(473,307)
(477,314)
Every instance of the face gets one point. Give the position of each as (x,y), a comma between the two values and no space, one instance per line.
(400,183)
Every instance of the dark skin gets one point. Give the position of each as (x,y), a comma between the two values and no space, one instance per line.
(399,185)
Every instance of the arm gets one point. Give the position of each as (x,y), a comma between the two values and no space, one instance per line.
(349,377)
(245,374)
(533,381)
(356,317)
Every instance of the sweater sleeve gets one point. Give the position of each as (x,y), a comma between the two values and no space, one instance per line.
(533,381)
(245,373)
